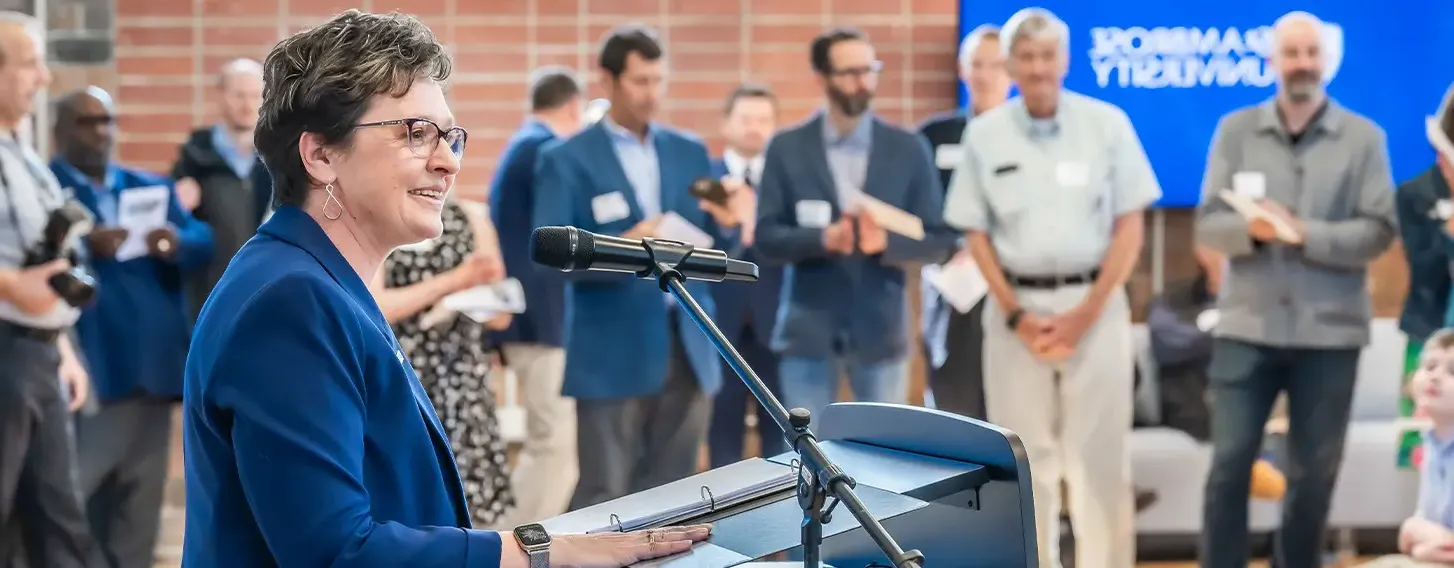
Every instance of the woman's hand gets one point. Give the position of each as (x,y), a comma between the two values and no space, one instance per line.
(477,269)
(614,550)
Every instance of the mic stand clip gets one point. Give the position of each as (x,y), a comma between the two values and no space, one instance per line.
(819,479)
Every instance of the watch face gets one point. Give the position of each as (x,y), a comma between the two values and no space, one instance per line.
(532,535)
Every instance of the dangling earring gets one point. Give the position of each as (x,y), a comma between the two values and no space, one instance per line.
(331,199)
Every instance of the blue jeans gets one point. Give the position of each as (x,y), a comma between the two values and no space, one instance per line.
(812,382)
(1244,381)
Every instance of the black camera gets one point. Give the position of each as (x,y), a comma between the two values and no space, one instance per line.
(65,226)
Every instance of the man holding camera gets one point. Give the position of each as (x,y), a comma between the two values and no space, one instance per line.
(41,379)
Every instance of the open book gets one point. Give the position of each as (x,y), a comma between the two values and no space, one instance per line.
(708,503)
(1251,210)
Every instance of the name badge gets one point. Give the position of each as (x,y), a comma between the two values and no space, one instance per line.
(1252,185)
(610,207)
(1072,174)
(1443,209)
(814,214)
(947,156)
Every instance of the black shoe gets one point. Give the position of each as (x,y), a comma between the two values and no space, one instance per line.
(1145,498)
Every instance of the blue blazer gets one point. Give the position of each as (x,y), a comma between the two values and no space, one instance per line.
(512,206)
(855,304)
(309,439)
(616,338)
(134,336)
(1428,251)
(736,300)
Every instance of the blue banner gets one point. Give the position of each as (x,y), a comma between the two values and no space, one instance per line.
(1177,68)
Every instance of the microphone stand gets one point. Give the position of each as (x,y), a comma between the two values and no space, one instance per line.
(819,479)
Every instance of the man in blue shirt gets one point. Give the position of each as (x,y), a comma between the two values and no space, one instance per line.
(844,304)
(545,472)
(135,335)
(641,372)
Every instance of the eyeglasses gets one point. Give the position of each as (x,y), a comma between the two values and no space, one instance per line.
(424,135)
(873,68)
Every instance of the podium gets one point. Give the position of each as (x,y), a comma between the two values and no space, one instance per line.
(955,488)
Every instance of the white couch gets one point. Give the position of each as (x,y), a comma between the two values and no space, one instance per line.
(1372,493)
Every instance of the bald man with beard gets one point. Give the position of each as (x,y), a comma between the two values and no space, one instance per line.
(1295,315)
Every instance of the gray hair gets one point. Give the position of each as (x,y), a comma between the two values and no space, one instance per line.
(26,22)
(971,42)
(1035,24)
(1291,19)
(239,66)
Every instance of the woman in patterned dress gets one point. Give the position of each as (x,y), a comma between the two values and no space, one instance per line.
(449,351)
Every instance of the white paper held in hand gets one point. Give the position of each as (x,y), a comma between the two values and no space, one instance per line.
(677,228)
(484,303)
(1251,210)
(140,211)
(892,219)
(959,282)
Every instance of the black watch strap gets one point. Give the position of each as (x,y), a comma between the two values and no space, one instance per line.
(1013,320)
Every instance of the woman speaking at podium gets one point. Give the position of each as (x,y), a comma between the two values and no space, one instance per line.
(309,441)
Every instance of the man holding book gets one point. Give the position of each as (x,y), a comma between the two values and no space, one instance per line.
(1299,196)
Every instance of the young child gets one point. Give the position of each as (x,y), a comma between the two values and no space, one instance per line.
(1427,538)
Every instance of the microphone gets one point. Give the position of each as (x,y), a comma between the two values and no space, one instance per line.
(570,249)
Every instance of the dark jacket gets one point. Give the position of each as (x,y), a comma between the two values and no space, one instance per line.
(1182,352)
(1426,248)
(512,205)
(231,205)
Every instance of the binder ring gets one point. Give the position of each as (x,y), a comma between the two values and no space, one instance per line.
(615,520)
(709,498)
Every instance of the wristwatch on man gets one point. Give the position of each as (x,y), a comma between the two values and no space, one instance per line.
(536,542)
(1013,321)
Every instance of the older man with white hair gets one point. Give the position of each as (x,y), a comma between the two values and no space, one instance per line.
(1050,191)
(1295,312)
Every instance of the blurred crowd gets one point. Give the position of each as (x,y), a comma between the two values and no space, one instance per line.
(1038,202)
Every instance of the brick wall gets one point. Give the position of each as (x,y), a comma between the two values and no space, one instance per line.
(167,50)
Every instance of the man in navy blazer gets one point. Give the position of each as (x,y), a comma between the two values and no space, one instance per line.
(545,472)
(845,302)
(134,336)
(745,310)
(641,373)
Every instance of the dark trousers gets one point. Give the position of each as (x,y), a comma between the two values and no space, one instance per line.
(40,504)
(1245,380)
(626,445)
(729,408)
(125,448)
(958,384)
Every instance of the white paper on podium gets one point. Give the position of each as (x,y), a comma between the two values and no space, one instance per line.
(484,303)
(958,281)
(892,219)
(1249,209)
(675,227)
(140,211)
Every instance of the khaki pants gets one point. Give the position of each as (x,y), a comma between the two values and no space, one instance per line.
(1074,418)
(545,472)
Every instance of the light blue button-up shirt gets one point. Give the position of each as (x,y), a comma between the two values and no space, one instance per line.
(848,158)
(1436,487)
(240,162)
(639,162)
(1048,191)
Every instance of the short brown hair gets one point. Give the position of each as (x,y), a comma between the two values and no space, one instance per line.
(748,91)
(321,81)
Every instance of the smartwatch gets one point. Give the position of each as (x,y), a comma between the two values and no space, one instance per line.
(1013,320)
(536,542)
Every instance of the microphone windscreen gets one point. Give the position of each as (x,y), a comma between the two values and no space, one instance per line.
(553,247)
